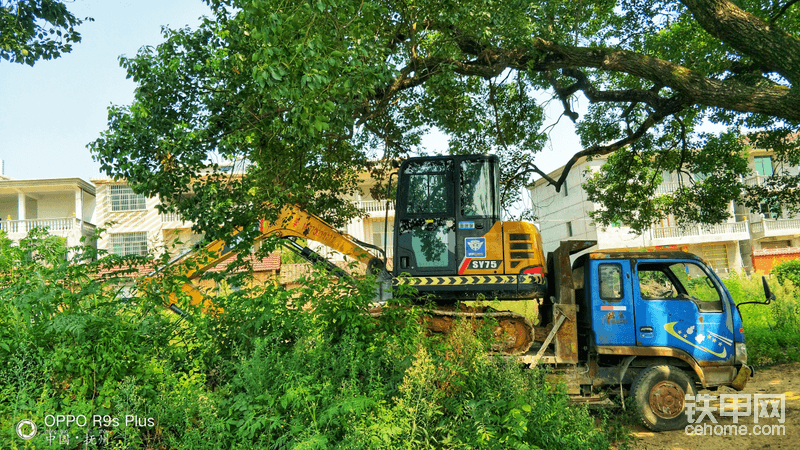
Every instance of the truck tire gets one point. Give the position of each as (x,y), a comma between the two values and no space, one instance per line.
(660,393)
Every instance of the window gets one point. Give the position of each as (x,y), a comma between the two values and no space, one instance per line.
(610,282)
(125,244)
(427,186)
(378,229)
(569,229)
(430,246)
(124,199)
(771,208)
(763,165)
(655,283)
(679,282)
(476,189)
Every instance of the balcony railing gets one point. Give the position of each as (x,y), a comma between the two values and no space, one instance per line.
(760,224)
(55,225)
(781,224)
(374,206)
(171,217)
(757,180)
(666,188)
(699,230)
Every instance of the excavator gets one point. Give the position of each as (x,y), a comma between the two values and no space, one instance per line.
(451,246)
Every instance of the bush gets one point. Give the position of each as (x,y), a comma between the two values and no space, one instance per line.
(265,368)
(772,332)
(788,271)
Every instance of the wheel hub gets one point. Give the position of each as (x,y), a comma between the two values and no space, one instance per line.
(666,399)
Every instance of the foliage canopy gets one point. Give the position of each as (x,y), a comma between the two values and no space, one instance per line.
(31,30)
(311,93)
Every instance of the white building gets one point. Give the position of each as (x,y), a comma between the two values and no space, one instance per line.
(134,226)
(727,246)
(64,206)
(372,228)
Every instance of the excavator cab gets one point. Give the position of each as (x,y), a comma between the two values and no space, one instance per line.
(445,207)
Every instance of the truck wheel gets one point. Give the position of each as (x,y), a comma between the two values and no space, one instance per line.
(660,393)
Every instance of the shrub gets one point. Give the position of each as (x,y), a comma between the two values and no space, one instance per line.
(265,368)
(788,270)
(772,332)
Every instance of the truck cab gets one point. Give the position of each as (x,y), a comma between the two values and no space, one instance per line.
(652,302)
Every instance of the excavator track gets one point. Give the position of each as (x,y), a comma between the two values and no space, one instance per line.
(513,332)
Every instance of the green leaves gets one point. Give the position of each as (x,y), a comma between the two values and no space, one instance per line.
(31,30)
(704,177)
(305,96)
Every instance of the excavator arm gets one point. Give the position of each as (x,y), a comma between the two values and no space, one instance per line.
(292,223)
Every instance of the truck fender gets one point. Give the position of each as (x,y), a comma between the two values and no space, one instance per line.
(659,352)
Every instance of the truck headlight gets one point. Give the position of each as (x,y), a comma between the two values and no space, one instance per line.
(741,353)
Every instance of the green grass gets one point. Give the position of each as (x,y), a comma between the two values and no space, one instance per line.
(772,332)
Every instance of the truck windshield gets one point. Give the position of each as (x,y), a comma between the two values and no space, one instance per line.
(679,281)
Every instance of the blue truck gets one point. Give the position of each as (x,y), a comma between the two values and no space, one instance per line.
(655,326)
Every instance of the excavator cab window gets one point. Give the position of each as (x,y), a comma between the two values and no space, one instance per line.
(444,204)
(476,189)
(428,187)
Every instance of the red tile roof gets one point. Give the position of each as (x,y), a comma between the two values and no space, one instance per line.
(776,251)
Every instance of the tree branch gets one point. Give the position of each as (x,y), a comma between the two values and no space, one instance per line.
(773,100)
(782,11)
(601,150)
(749,35)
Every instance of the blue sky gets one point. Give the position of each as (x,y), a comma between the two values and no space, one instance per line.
(51,111)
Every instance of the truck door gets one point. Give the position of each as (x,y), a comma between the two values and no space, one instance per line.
(612,302)
(679,304)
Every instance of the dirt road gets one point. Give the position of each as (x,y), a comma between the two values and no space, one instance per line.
(782,379)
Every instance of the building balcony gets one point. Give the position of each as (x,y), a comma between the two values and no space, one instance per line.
(762,227)
(174,221)
(375,208)
(70,228)
(691,234)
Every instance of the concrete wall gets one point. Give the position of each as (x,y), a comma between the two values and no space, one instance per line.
(61,204)
(147,220)
(555,210)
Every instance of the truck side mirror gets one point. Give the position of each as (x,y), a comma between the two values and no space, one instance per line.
(767,293)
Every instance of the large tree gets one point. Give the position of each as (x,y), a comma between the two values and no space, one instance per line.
(31,30)
(309,93)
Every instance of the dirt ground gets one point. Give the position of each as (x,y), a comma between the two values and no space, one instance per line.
(781,379)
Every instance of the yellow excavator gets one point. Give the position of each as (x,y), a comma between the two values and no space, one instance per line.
(450,244)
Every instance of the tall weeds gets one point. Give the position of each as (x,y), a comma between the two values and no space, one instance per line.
(268,368)
(772,332)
